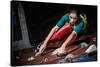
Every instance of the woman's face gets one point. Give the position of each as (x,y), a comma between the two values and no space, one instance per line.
(73,18)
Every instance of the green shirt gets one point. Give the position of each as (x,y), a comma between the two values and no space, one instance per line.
(78,25)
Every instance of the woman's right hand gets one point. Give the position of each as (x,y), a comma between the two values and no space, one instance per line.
(42,48)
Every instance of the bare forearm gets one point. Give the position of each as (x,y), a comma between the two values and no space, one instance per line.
(50,34)
(70,39)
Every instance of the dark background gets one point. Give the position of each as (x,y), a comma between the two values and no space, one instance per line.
(41,17)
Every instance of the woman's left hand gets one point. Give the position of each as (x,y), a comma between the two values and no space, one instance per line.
(59,51)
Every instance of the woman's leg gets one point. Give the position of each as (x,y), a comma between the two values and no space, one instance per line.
(64,30)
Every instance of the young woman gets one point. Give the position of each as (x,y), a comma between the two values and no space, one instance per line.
(71,23)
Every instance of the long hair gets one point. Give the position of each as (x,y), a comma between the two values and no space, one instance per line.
(75,11)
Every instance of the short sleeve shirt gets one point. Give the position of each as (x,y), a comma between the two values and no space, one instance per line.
(77,27)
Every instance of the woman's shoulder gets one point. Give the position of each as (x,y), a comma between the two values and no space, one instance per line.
(66,16)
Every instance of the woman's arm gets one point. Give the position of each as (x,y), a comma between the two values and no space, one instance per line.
(54,29)
(43,46)
(60,51)
(69,40)
(58,25)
